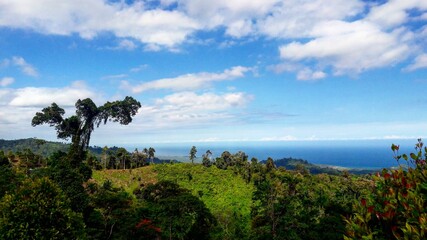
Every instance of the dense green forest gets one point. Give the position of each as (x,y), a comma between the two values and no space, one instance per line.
(75,194)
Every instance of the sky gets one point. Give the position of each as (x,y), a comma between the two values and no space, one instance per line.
(219,71)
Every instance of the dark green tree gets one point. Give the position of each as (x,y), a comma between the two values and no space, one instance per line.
(193,152)
(111,210)
(206,161)
(123,156)
(151,151)
(80,126)
(179,214)
(270,164)
(8,177)
(39,210)
(70,180)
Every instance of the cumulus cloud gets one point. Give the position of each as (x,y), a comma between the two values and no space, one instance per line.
(191,81)
(382,38)
(6,81)
(18,106)
(89,18)
(296,18)
(41,97)
(350,47)
(206,101)
(394,12)
(419,62)
(188,109)
(342,35)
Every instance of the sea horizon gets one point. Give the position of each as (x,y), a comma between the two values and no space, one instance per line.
(360,154)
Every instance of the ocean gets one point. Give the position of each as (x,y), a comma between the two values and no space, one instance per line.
(367,154)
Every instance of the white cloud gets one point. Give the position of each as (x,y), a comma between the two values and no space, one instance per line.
(41,97)
(139,68)
(190,110)
(296,18)
(89,18)
(6,81)
(342,35)
(124,44)
(203,102)
(18,107)
(350,47)
(303,73)
(394,12)
(117,76)
(419,62)
(21,64)
(308,74)
(190,81)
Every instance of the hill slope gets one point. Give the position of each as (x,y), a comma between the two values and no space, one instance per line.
(224,193)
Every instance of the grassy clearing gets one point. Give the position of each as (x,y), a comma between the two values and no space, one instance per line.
(128,179)
(224,193)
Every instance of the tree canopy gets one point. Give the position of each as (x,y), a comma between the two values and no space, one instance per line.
(80,126)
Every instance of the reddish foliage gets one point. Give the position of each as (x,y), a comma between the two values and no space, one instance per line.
(147,224)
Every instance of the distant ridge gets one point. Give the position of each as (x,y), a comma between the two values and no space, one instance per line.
(301,164)
(38,146)
(41,147)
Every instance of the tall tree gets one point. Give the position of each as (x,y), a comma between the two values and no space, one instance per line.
(80,126)
(151,152)
(207,159)
(193,152)
(123,156)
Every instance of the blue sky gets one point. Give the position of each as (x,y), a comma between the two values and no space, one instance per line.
(219,71)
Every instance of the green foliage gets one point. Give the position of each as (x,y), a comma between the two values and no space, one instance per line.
(226,195)
(206,159)
(193,152)
(297,206)
(29,160)
(39,210)
(290,205)
(396,208)
(79,127)
(9,179)
(129,180)
(111,212)
(70,180)
(179,214)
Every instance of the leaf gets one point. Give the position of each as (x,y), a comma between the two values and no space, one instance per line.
(394,147)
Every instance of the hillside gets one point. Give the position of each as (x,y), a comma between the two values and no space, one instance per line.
(38,146)
(224,193)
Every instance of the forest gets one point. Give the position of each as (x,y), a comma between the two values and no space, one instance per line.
(76,193)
